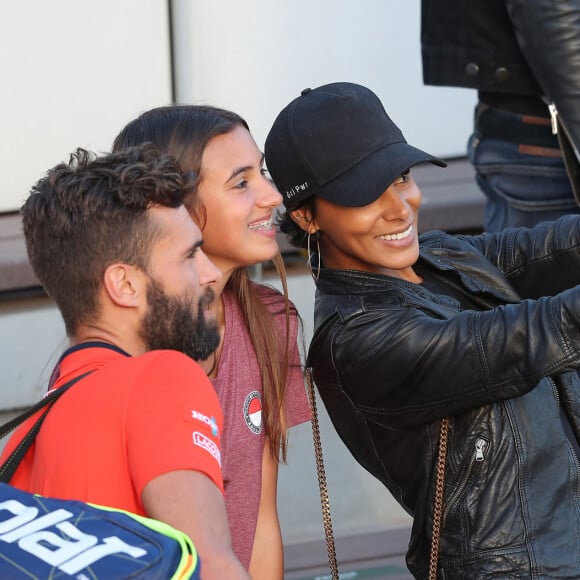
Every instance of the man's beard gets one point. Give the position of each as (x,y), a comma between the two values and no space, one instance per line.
(171,323)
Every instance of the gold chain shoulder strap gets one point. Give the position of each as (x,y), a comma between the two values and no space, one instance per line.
(438,500)
(323,487)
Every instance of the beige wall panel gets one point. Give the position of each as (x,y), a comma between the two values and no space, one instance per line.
(255,56)
(72,73)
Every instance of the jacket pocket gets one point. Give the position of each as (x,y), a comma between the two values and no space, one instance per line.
(482,509)
(467,473)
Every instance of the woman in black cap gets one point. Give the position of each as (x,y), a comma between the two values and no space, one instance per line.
(449,365)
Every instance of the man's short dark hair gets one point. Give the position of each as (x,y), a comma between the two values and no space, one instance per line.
(89,213)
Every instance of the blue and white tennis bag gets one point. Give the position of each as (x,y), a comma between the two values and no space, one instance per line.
(51,538)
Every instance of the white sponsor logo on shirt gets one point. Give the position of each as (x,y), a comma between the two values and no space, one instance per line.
(206,443)
(207,420)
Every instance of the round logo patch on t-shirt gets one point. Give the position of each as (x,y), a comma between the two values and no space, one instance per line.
(253,412)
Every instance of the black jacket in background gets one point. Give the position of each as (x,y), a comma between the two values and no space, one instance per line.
(520,47)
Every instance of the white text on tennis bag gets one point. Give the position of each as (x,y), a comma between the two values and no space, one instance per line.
(70,556)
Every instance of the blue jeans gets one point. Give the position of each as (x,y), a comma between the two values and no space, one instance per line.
(519,168)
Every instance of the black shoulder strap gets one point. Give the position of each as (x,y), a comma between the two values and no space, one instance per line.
(12,462)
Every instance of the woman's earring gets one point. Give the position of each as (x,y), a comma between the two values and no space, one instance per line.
(309,263)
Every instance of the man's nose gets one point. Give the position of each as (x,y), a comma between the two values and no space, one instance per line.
(209,273)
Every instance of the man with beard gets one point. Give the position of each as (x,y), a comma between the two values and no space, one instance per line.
(113,245)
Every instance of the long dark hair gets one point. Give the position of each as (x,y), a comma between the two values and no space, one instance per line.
(184,132)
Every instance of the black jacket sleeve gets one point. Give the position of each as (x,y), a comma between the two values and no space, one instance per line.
(540,261)
(406,367)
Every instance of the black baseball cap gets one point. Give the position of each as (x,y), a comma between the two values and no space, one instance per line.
(337,142)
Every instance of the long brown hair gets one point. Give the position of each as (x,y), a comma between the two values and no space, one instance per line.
(184,132)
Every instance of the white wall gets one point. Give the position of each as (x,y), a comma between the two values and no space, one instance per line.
(72,73)
(254,56)
(32,338)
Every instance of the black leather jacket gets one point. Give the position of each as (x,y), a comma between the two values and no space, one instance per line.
(510,46)
(391,359)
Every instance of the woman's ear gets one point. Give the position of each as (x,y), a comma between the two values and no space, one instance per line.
(303,218)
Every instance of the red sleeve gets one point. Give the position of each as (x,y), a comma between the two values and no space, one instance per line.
(173,421)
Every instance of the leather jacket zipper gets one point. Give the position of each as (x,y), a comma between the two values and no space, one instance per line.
(556,121)
(567,427)
(477,456)
(568,147)
(480,447)
(556,392)
(553,117)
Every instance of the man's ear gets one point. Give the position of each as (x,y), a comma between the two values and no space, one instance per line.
(124,284)
(303,218)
